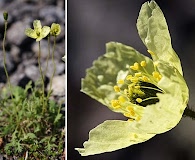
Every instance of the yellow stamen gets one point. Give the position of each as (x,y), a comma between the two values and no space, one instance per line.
(131,110)
(143,63)
(120,81)
(116,107)
(129,77)
(134,79)
(139,100)
(149,51)
(155,74)
(127,114)
(114,103)
(137,87)
(145,79)
(121,99)
(116,88)
(135,66)
(138,74)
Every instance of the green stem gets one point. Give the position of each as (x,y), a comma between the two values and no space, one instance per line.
(54,68)
(42,77)
(47,56)
(4,60)
(189,113)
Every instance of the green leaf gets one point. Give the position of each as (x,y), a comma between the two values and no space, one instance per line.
(110,136)
(153,31)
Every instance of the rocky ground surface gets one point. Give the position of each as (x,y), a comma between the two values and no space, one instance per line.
(22,51)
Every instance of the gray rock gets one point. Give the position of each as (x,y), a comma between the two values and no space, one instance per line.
(15,51)
(58,86)
(52,14)
(18,75)
(59,68)
(9,62)
(32,72)
(44,49)
(15,34)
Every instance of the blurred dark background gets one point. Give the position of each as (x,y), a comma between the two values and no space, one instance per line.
(91,24)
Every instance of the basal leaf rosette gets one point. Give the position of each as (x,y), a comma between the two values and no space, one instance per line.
(151,93)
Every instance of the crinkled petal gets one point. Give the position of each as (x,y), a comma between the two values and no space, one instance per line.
(112,135)
(172,80)
(102,76)
(31,33)
(162,116)
(153,31)
(37,24)
(45,31)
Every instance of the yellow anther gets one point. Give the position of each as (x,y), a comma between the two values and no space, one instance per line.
(137,87)
(129,77)
(145,79)
(114,103)
(139,100)
(149,51)
(135,66)
(134,79)
(121,99)
(120,81)
(138,74)
(116,107)
(131,110)
(127,114)
(155,74)
(159,77)
(116,88)
(143,63)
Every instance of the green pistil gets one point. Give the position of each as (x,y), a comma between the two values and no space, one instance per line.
(147,92)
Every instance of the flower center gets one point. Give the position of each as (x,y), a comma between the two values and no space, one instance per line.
(137,90)
(143,93)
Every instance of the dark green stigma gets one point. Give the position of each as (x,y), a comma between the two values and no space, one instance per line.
(144,93)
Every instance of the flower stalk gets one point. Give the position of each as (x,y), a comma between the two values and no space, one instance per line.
(5,15)
(189,112)
(42,77)
(54,67)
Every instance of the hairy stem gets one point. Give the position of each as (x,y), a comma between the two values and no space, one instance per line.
(4,60)
(54,68)
(47,56)
(189,113)
(42,77)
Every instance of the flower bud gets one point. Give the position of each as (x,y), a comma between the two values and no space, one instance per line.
(5,15)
